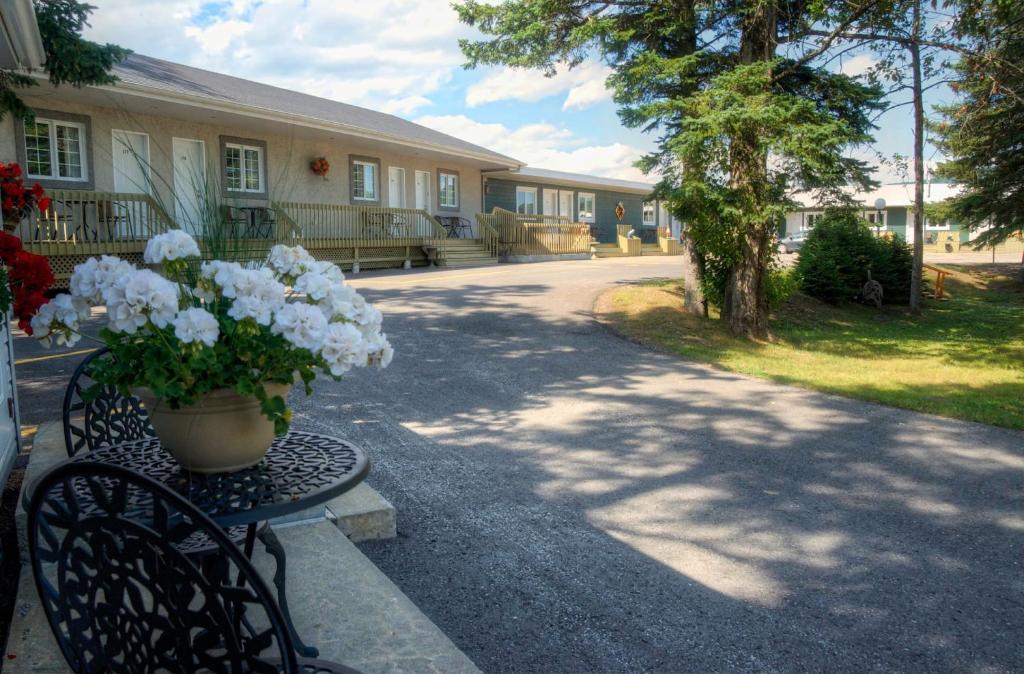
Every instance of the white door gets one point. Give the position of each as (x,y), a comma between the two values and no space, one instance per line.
(131,162)
(189,183)
(423,202)
(128,218)
(396,187)
(551,202)
(9,436)
(565,204)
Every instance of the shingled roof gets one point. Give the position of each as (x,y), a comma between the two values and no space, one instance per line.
(174,78)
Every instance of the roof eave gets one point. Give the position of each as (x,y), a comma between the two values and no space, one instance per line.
(21,31)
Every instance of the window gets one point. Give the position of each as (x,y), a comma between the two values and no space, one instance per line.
(585,206)
(649,216)
(810,219)
(875,218)
(55,149)
(243,168)
(942,225)
(364,180)
(526,200)
(448,189)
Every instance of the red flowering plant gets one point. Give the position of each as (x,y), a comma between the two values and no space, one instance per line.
(25,277)
(18,201)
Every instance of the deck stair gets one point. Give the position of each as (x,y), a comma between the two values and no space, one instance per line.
(651,249)
(608,250)
(467,253)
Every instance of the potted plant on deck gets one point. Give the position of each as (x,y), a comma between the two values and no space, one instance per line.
(212,348)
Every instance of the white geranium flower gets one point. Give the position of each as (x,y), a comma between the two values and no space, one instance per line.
(138,296)
(301,324)
(340,303)
(225,275)
(289,261)
(328,270)
(343,348)
(59,320)
(379,351)
(313,285)
(172,245)
(94,276)
(196,325)
(258,296)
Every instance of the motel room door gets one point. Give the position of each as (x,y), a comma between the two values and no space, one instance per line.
(189,183)
(396,187)
(131,176)
(423,191)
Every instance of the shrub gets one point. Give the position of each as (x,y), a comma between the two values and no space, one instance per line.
(781,284)
(840,252)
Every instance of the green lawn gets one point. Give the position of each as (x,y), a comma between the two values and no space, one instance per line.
(962,358)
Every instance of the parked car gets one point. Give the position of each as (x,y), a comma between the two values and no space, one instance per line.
(794,242)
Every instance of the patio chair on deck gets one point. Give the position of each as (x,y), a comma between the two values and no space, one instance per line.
(105,545)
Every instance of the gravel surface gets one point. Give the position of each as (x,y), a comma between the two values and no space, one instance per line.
(569,502)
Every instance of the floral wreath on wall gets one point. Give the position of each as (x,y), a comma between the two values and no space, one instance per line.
(25,277)
(320,166)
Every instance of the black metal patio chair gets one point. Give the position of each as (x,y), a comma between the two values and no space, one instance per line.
(120,595)
(110,418)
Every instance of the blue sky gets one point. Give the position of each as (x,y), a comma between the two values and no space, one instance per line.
(402,57)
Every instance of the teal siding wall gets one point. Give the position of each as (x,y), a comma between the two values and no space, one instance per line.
(500,193)
(897,221)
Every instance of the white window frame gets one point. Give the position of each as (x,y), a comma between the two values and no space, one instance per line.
(375,197)
(652,208)
(811,216)
(944,227)
(524,190)
(442,190)
(867,215)
(54,159)
(583,212)
(260,165)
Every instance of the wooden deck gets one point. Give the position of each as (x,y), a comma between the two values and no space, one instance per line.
(81,224)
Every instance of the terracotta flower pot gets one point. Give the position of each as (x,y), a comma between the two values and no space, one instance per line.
(222,432)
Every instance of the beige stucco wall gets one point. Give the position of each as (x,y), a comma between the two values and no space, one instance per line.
(289,177)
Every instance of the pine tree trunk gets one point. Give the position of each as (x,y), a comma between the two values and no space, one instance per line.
(693,293)
(746,298)
(915,58)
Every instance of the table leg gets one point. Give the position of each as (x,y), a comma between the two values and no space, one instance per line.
(276,550)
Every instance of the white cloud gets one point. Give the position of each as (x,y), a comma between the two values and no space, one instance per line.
(584,86)
(389,54)
(545,146)
(857,65)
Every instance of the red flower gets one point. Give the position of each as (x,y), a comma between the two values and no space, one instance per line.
(15,170)
(31,271)
(26,305)
(44,203)
(37,191)
(9,247)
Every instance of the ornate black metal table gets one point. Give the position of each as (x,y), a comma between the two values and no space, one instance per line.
(300,470)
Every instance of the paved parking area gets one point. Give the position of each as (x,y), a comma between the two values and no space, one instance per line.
(570,502)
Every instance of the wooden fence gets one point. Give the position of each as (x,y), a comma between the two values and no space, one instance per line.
(631,246)
(519,234)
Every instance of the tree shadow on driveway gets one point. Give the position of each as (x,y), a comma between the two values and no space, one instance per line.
(570,502)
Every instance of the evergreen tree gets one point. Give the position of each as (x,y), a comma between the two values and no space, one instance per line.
(70,59)
(745,110)
(983,130)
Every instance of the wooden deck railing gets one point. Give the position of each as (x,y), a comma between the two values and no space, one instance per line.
(486,224)
(327,225)
(89,222)
(85,222)
(520,234)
